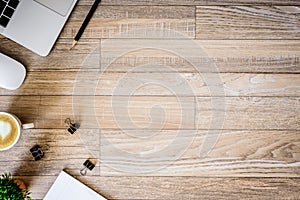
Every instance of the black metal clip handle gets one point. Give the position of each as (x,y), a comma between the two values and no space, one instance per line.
(37,152)
(72,127)
(88,165)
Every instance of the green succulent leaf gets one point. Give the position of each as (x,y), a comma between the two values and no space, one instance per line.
(10,190)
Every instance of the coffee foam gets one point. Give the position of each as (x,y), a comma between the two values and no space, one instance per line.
(5,129)
(8,131)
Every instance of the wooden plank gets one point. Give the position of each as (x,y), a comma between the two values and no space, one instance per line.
(265,144)
(62,45)
(138,2)
(61,57)
(182,187)
(236,154)
(191,2)
(273,56)
(247,22)
(157,84)
(127,21)
(61,150)
(195,55)
(188,3)
(266,56)
(232,156)
(107,112)
(95,112)
(25,107)
(157,112)
(50,167)
(249,112)
(58,144)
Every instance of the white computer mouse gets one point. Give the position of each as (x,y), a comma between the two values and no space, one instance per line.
(12,73)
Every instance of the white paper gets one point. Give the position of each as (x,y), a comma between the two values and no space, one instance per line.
(66,187)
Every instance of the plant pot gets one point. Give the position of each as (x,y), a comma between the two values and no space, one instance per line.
(21,184)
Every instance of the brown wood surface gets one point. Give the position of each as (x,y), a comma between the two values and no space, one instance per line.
(248,22)
(181,187)
(255,47)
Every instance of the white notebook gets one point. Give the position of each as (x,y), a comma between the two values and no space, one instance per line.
(66,187)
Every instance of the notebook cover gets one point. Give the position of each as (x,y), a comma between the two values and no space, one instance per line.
(66,187)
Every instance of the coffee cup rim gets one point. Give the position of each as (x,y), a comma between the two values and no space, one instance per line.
(16,119)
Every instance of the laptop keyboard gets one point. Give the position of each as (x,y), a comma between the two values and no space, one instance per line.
(7,9)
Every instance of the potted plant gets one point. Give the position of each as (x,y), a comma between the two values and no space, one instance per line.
(13,188)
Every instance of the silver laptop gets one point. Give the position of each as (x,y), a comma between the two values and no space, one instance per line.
(35,24)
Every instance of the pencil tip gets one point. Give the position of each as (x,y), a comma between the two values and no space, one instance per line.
(73,44)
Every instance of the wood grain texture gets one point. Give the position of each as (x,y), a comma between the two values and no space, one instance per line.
(223,160)
(280,113)
(255,49)
(191,2)
(236,153)
(181,187)
(195,55)
(234,84)
(248,56)
(244,22)
(250,113)
(128,22)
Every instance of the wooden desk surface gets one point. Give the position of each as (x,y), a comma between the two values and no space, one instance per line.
(255,46)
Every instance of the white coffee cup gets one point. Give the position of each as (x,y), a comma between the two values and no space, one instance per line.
(10,130)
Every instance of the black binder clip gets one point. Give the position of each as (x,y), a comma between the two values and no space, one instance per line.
(37,152)
(88,165)
(72,127)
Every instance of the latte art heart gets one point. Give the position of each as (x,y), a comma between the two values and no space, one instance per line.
(5,129)
(9,131)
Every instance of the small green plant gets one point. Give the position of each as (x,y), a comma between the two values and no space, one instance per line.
(10,189)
